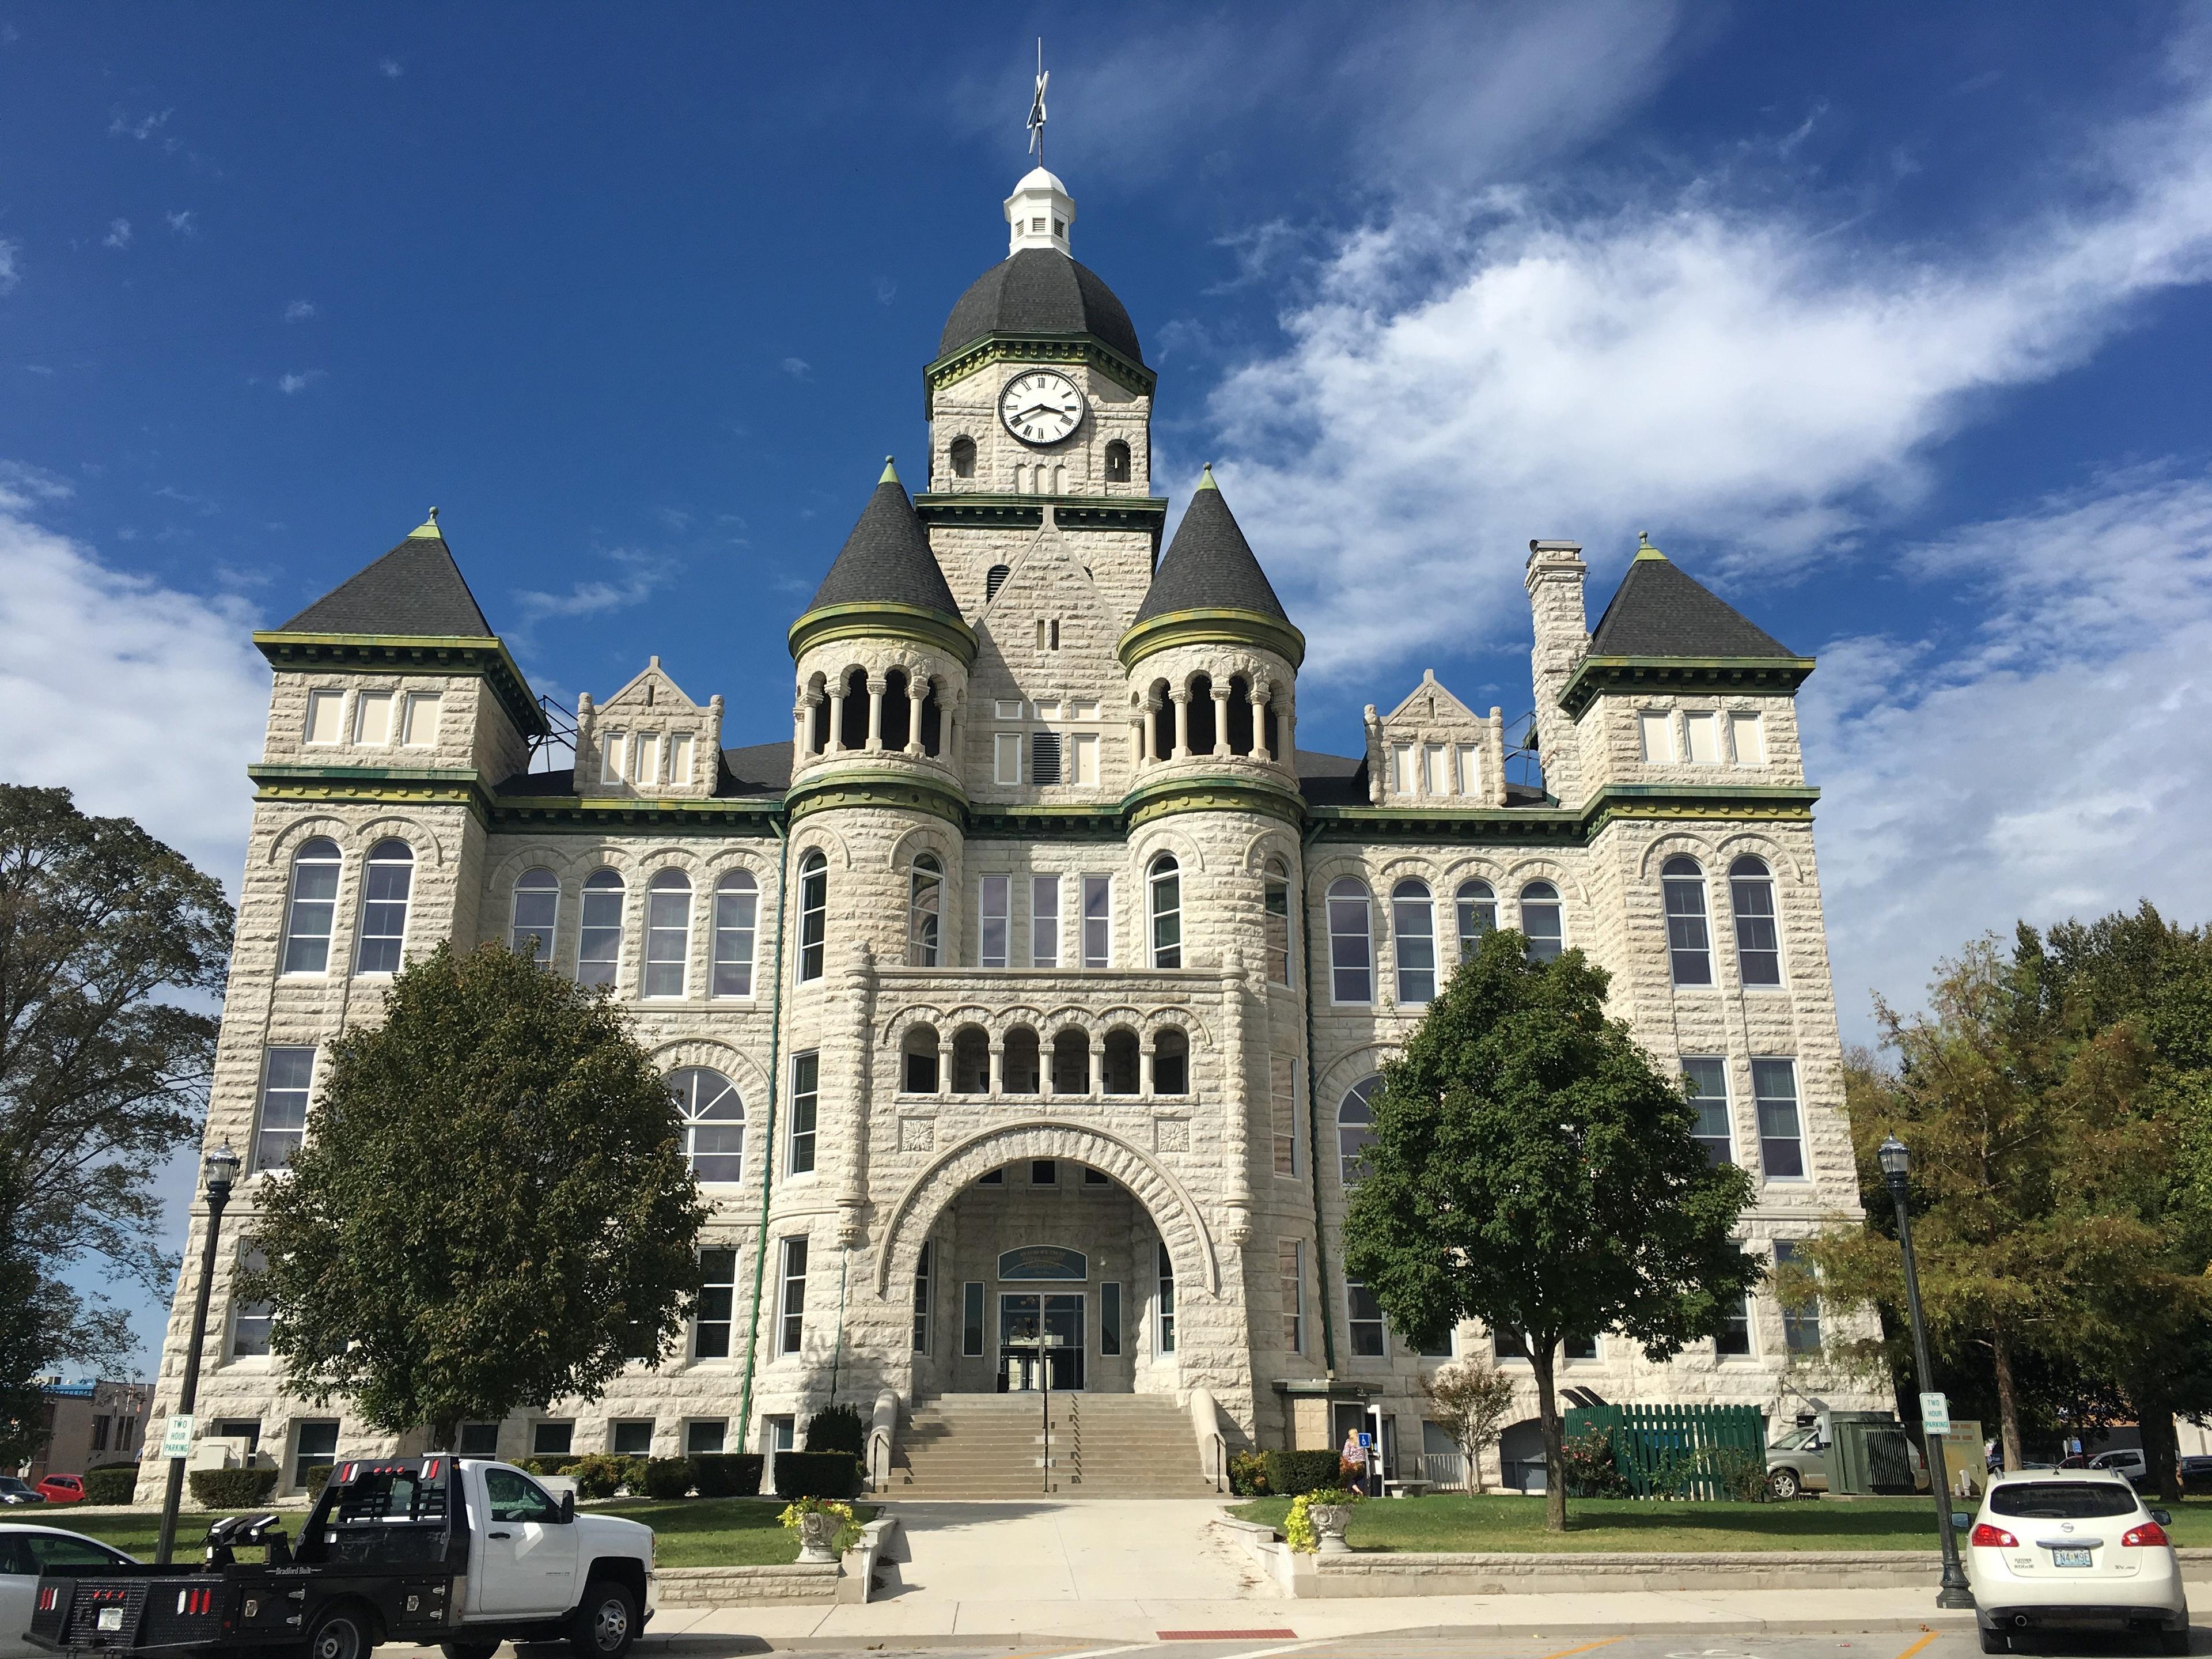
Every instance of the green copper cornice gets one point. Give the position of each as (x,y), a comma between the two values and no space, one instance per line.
(599,815)
(882,619)
(992,510)
(416,786)
(831,787)
(1212,628)
(1087,349)
(1535,825)
(1595,677)
(401,654)
(1212,793)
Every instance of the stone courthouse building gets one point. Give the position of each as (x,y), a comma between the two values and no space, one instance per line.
(1035,977)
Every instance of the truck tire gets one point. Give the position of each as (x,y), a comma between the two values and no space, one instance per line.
(1783,1483)
(603,1624)
(468,1650)
(341,1632)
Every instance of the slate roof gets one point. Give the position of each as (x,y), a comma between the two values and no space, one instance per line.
(1332,779)
(415,590)
(887,559)
(1040,291)
(1209,566)
(1658,612)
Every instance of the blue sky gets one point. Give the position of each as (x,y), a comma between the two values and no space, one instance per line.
(1889,322)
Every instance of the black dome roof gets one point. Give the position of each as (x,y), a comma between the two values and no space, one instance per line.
(1040,291)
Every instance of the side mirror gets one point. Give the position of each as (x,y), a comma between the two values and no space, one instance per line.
(567,1507)
(1962,1520)
(2163,1517)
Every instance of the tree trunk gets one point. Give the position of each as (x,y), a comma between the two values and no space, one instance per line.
(2155,1423)
(1541,1356)
(2007,1401)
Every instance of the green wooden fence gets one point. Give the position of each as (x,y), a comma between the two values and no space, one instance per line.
(1676,1451)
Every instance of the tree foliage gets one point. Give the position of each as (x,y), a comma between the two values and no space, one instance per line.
(1533,1168)
(493,1209)
(1472,1399)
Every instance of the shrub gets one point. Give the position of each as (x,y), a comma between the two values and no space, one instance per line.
(837,1428)
(1300,1531)
(668,1477)
(1591,1471)
(817,1474)
(553,1462)
(1289,1473)
(728,1474)
(1248,1474)
(233,1489)
(597,1475)
(113,1484)
(314,1477)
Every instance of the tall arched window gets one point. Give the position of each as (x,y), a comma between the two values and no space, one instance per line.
(918,1069)
(667,932)
(1199,720)
(1165,885)
(853,730)
(386,884)
(933,721)
(1350,945)
(713,1123)
(813,914)
(1239,715)
(313,906)
(536,909)
(962,457)
(737,911)
(925,912)
(1355,1127)
(1023,1064)
(1758,939)
(1689,948)
(896,709)
(1117,461)
(600,927)
(1413,922)
(1539,921)
(1478,915)
(1162,720)
(1171,1061)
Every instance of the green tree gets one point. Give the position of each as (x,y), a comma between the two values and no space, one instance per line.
(492,1208)
(1533,1168)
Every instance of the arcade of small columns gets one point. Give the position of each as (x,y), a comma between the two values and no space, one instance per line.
(1113,1064)
(819,725)
(1238,716)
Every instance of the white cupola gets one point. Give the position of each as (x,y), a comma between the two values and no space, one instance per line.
(1040,212)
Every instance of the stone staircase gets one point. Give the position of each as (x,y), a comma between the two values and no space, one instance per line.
(992,1445)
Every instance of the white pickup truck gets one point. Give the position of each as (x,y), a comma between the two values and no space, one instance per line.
(464,1553)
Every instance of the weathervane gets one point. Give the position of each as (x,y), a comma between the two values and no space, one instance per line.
(1036,106)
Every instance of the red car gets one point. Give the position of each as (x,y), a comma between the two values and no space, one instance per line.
(62,1489)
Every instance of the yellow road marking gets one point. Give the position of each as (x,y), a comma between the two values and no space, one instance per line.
(1917,1646)
(1606,1641)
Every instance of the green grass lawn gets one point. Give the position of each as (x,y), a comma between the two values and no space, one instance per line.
(1450,1522)
(692,1532)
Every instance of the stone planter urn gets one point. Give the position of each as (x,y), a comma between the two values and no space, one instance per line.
(1329,1521)
(816,1535)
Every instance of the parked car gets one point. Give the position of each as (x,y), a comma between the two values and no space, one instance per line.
(1797,1463)
(14,1489)
(28,1551)
(62,1489)
(2072,1549)
(2196,1473)
(2128,1461)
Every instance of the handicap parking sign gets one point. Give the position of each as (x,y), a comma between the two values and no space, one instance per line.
(1366,1442)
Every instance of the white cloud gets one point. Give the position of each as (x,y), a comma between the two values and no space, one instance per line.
(299,311)
(182,223)
(391,67)
(141,129)
(118,234)
(288,384)
(642,573)
(9,276)
(798,368)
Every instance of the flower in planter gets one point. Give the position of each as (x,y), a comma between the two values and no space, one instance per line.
(1300,1528)
(846,1532)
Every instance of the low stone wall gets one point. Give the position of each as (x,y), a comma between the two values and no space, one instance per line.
(844,1581)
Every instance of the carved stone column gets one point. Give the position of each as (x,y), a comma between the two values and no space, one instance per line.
(836,743)
(877,686)
(860,977)
(997,1068)
(1181,697)
(916,690)
(1261,695)
(1221,720)
(1097,1066)
(1235,1011)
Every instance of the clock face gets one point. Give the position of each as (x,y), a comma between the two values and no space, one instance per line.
(1041,407)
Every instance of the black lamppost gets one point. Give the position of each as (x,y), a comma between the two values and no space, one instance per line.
(222,1171)
(1896,1167)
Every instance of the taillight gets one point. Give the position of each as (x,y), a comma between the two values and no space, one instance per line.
(2150,1532)
(1987,1537)
(47,1598)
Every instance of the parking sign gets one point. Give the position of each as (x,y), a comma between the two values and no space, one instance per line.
(1936,1413)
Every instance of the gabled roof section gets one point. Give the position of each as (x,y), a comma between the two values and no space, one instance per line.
(1659,611)
(1209,566)
(415,591)
(1430,701)
(886,560)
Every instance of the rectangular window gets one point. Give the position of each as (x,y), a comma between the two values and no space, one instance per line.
(704,1439)
(1509,1345)
(1436,1348)
(372,719)
(421,730)
(630,1439)
(971,1319)
(1470,770)
(1734,1340)
(1364,1321)
(1433,758)
(791,1305)
(325,716)
(1109,1318)
(718,1294)
(1097,922)
(1708,1078)
(610,757)
(1579,1347)
(1083,760)
(667,939)
(481,1440)
(313,1444)
(921,1300)
(1702,728)
(249,1318)
(1044,1172)
(1044,757)
(736,910)
(647,769)
(995,905)
(387,882)
(247,1429)
(1291,1270)
(1800,1329)
(679,760)
(1167,1314)
(1349,959)
(805,1085)
(556,1438)
(286,1076)
(1006,710)
(1401,767)
(1657,727)
(1278,932)
(1283,1089)
(1749,738)
(1044,922)
(1780,1146)
(813,915)
(1095,1177)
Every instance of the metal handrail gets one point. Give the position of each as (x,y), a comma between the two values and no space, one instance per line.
(1220,1463)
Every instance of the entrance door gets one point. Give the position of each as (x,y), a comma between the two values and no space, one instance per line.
(1021,1315)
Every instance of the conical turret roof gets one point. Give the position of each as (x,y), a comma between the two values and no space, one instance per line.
(886,560)
(1209,566)
(1659,610)
(415,590)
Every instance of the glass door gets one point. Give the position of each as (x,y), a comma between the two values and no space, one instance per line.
(1022,1314)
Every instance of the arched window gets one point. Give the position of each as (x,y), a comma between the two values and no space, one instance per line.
(1539,921)
(1478,915)
(896,709)
(1023,1065)
(1351,948)
(386,884)
(917,1064)
(853,730)
(817,719)
(1689,948)
(1162,720)
(1165,886)
(1355,1127)
(713,1123)
(813,914)
(963,456)
(971,1061)
(312,907)
(1201,718)
(536,909)
(1758,939)
(1117,461)
(1276,902)
(925,912)
(598,934)
(994,580)
(933,721)
(737,911)
(1120,1062)
(1413,920)
(1239,715)
(667,932)
(1171,1061)
(1071,1061)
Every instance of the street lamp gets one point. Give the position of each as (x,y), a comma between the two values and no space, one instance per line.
(222,1171)
(1896,1168)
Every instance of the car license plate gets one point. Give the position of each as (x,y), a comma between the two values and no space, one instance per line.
(111,1618)
(2069,1558)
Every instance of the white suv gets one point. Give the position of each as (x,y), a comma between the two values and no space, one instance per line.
(2072,1548)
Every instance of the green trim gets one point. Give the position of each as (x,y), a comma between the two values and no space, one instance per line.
(1215,793)
(1738,676)
(879,619)
(878,786)
(409,653)
(995,510)
(572,814)
(373,785)
(1212,628)
(997,821)
(1087,349)
(1533,825)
